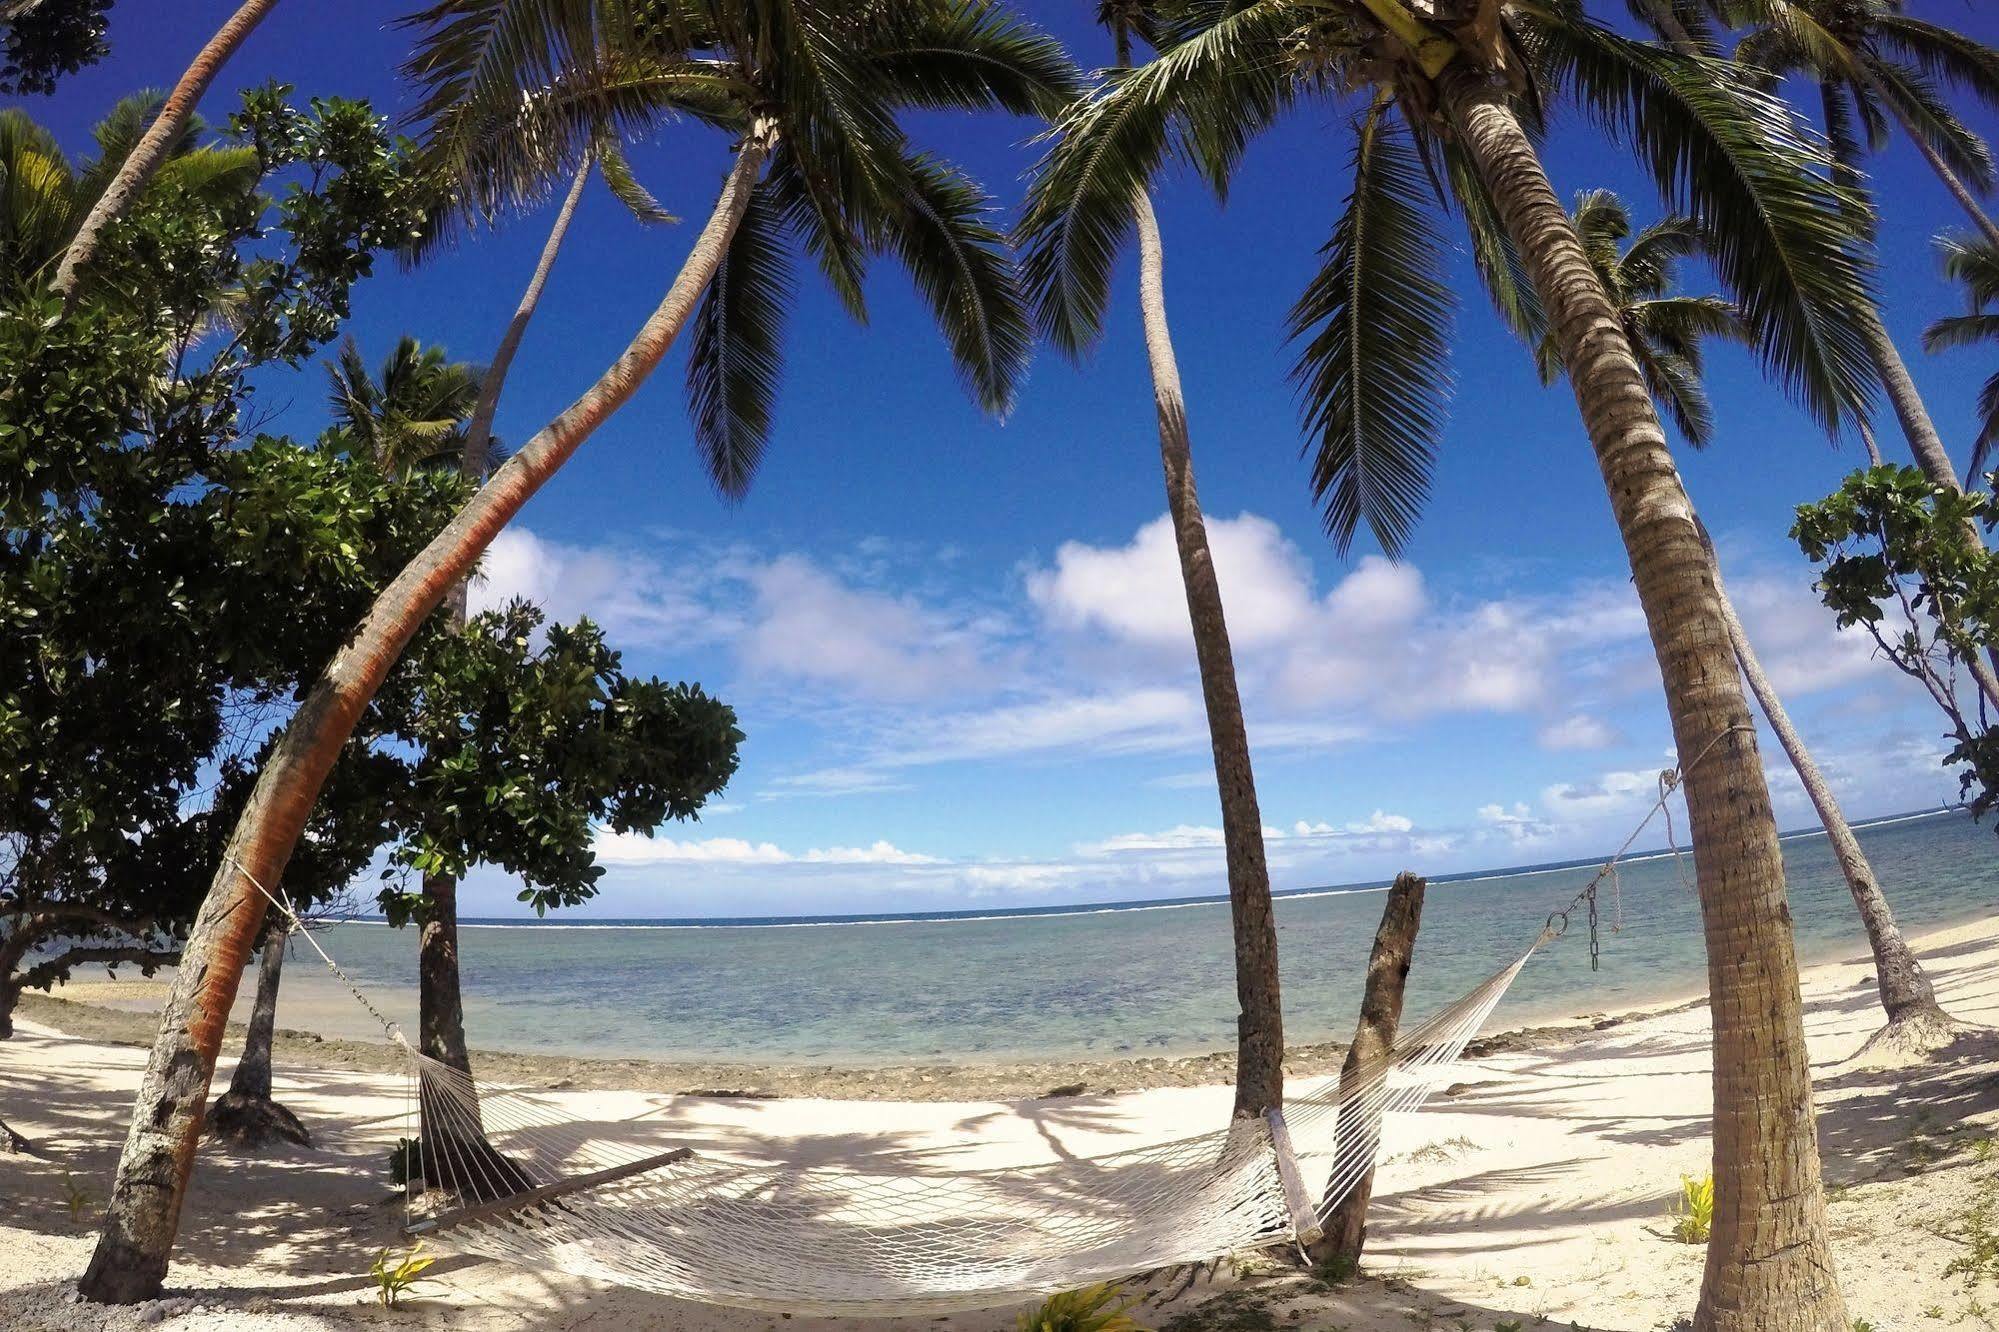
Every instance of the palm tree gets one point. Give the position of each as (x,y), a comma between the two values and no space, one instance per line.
(1260,1026)
(1973,263)
(1460,84)
(809,93)
(44,198)
(481,167)
(409,415)
(1666,331)
(153,148)
(1873,64)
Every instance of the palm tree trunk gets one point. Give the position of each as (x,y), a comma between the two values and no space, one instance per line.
(143,1213)
(1260,1016)
(1944,173)
(1769,1264)
(253,1070)
(1669,26)
(479,431)
(1905,991)
(151,149)
(440,1002)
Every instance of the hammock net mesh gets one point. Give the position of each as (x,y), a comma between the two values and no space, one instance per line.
(513,1175)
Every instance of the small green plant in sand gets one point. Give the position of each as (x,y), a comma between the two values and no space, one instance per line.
(1983,1149)
(395,1274)
(1693,1216)
(1091,1309)
(78,1199)
(1510,1325)
(1975,1231)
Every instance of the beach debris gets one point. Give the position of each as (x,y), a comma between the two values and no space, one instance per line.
(1066,1089)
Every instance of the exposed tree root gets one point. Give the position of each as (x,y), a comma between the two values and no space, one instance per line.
(254,1122)
(1912,1038)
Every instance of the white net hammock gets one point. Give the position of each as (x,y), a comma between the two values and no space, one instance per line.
(515,1176)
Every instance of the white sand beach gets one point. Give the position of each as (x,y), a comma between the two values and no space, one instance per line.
(1536,1193)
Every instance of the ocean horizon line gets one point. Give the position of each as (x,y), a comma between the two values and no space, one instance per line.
(1042,911)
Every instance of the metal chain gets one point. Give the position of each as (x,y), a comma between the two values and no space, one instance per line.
(1669,781)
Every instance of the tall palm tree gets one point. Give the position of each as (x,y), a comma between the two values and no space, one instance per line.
(1973,263)
(1461,83)
(411,414)
(156,145)
(44,197)
(1874,65)
(1260,1025)
(471,75)
(809,93)
(1666,330)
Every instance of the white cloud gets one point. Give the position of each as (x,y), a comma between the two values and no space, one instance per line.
(1578,731)
(1517,822)
(808,625)
(1130,721)
(1795,637)
(1135,592)
(613,848)
(636,598)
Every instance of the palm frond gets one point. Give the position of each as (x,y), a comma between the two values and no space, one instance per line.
(1973,263)
(1497,260)
(1373,377)
(1675,384)
(1782,238)
(1988,431)
(1925,114)
(736,355)
(1109,145)
(972,56)
(963,270)
(624,186)
(1941,53)
(1956,331)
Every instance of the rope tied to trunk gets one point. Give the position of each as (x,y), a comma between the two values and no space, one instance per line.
(1670,780)
(282,902)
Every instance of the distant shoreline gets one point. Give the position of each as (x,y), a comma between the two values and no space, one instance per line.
(1358,888)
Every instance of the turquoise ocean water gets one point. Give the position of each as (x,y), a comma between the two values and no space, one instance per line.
(1118,980)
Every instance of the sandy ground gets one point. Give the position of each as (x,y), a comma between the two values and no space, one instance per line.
(1537,1193)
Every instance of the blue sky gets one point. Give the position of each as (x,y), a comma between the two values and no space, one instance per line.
(958,647)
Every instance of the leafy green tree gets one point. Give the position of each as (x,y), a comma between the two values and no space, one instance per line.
(809,94)
(45,40)
(1460,84)
(1895,563)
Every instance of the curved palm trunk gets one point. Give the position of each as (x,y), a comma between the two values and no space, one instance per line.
(1669,26)
(151,149)
(1260,1016)
(1769,1265)
(440,1000)
(143,1213)
(1906,993)
(1944,173)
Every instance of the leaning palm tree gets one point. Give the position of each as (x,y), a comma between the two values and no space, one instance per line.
(809,93)
(1874,65)
(1666,329)
(44,197)
(1973,263)
(1460,82)
(154,147)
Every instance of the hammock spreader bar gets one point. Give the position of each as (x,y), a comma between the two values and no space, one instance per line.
(528,1198)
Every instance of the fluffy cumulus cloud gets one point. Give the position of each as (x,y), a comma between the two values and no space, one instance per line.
(1578,730)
